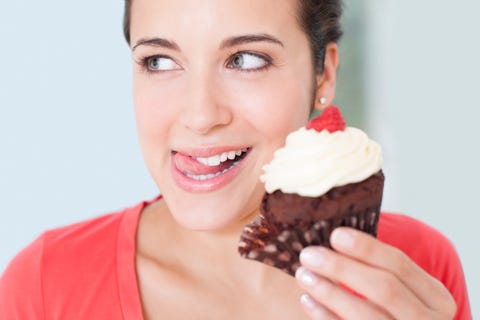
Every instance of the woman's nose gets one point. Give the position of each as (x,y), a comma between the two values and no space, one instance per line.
(205,107)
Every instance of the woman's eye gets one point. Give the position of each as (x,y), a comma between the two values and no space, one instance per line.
(248,61)
(160,63)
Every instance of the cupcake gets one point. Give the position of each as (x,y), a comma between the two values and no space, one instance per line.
(327,175)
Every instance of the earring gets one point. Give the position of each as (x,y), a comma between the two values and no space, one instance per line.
(323,100)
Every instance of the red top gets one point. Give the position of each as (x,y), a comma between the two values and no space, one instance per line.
(87,270)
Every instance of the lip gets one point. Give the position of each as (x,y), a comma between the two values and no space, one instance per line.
(213,184)
(210,151)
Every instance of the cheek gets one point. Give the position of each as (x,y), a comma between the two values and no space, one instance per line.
(154,109)
(277,106)
(155,114)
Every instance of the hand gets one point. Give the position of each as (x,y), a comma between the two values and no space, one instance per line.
(384,282)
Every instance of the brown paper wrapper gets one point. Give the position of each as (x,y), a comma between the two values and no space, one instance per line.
(281,248)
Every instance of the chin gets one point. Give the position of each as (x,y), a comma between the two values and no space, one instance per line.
(228,201)
(213,212)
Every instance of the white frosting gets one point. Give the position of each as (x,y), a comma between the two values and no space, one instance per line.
(311,163)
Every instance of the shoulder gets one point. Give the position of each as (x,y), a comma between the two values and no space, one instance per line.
(20,288)
(87,249)
(59,264)
(404,231)
(429,249)
(74,238)
(76,242)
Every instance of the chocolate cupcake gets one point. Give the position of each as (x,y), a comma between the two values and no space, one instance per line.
(326,176)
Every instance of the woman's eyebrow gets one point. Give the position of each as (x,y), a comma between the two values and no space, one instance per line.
(237,40)
(229,42)
(156,42)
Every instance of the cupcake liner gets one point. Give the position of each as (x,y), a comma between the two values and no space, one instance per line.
(281,248)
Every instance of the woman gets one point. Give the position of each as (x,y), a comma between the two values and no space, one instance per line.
(226,78)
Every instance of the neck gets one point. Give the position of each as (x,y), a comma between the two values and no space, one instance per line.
(203,254)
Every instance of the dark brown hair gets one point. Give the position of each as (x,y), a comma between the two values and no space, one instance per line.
(319,19)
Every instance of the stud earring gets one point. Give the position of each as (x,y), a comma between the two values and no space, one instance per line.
(323,100)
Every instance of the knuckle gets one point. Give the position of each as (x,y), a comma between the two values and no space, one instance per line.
(449,304)
(363,248)
(403,264)
(323,290)
(451,308)
(423,314)
(390,289)
(321,313)
(334,266)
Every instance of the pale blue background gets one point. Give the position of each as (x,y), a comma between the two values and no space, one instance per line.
(68,147)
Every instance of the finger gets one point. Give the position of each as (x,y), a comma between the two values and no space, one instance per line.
(379,286)
(363,247)
(337,299)
(315,310)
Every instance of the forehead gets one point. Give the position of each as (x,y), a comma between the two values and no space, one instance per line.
(208,19)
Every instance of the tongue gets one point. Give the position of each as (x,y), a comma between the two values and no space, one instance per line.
(187,164)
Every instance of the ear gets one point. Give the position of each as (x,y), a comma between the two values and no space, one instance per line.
(327,81)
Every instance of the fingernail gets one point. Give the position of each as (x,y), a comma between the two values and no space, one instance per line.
(312,256)
(306,277)
(308,301)
(343,238)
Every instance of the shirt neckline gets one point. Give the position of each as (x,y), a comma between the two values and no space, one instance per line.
(126,270)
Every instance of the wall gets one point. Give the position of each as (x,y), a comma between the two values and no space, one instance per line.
(67,132)
(423,69)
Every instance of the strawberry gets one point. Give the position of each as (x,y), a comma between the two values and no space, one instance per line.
(330,119)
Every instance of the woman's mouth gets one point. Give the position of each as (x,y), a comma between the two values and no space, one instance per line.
(221,163)
(208,169)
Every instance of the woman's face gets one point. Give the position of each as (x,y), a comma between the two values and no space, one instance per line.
(215,80)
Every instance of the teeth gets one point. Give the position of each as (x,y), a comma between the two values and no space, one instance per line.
(212,161)
(202,177)
(219,158)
